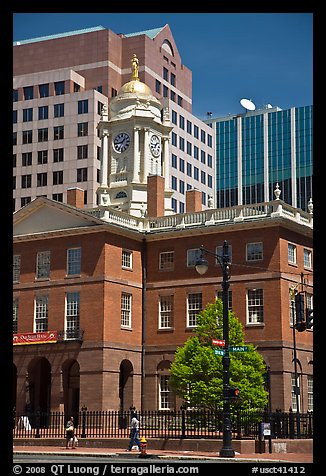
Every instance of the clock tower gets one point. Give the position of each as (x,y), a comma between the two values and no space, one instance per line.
(134,144)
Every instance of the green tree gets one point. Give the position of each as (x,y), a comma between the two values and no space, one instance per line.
(196,375)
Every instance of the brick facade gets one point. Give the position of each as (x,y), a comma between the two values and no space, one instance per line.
(115,366)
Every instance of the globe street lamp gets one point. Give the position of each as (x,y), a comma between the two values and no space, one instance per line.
(295,325)
(201,268)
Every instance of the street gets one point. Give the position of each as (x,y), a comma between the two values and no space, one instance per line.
(25,462)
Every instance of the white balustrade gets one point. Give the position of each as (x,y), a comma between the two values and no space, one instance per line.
(209,217)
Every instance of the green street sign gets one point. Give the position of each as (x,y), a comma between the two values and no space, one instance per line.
(219,351)
(238,348)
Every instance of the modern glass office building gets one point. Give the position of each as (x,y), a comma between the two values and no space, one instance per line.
(258,149)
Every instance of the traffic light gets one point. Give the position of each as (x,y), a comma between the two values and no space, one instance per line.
(234,392)
(309,318)
(300,323)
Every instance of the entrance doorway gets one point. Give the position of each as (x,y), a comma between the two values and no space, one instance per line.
(126,385)
(71,388)
(38,386)
(14,391)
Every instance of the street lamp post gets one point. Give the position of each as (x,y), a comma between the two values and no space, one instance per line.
(295,362)
(201,268)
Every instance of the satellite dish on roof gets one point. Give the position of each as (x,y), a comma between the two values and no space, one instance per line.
(247,104)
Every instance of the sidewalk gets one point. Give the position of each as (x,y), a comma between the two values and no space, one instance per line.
(163,454)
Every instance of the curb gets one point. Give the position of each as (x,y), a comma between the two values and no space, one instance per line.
(162,457)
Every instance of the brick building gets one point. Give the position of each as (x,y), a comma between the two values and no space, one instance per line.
(60,84)
(119,293)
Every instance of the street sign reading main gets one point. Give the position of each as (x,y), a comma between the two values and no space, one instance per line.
(238,348)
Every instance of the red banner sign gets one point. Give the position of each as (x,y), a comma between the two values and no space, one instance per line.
(35,338)
(219,342)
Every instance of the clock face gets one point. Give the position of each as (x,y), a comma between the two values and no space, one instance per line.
(155,146)
(121,142)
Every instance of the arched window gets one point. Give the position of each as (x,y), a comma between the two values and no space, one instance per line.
(71,387)
(126,387)
(121,195)
(166,45)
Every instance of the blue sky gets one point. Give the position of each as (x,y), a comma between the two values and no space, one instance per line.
(264,57)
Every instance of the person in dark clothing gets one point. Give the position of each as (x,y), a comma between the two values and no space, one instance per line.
(70,433)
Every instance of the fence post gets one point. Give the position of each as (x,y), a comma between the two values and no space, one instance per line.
(38,422)
(310,429)
(83,409)
(291,425)
(238,413)
(183,424)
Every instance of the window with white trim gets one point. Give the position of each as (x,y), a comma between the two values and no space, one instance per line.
(166,260)
(292,254)
(309,300)
(166,311)
(219,252)
(73,261)
(126,259)
(310,400)
(72,314)
(165,395)
(309,304)
(307,258)
(41,314)
(195,305)
(293,393)
(43,262)
(255,306)
(219,295)
(193,255)
(15,316)
(254,251)
(125,310)
(16,268)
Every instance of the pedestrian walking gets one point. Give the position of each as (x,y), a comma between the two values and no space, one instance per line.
(70,433)
(134,432)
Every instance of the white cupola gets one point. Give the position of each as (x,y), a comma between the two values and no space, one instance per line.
(135,143)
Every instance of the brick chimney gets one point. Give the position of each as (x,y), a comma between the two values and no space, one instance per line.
(75,197)
(155,196)
(193,200)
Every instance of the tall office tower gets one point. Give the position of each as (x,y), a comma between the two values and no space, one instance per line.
(61,83)
(258,149)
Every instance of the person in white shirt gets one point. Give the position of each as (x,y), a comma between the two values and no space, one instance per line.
(134,432)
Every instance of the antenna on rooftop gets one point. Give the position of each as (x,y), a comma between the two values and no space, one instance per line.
(247,104)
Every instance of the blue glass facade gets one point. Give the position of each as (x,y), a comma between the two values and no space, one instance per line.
(304,154)
(226,163)
(256,150)
(279,153)
(252,159)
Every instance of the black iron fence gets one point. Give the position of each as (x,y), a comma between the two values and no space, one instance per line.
(164,424)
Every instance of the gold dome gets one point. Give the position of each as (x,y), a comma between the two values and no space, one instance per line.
(135,86)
